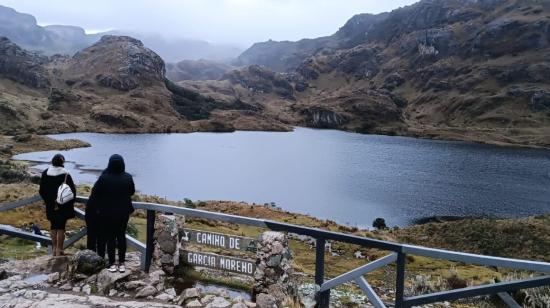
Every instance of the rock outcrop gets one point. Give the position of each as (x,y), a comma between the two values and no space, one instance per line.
(22,66)
(461,69)
(115,85)
(86,262)
(118,62)
(49,282)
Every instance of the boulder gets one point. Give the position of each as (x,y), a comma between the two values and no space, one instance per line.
(132,285)
(66,287)
(53,277)
(51,265)
(164,297)
(264,300)
(3,274)
(194,304)
(156,277)
(190,293)
(106,279)
(219,302)
(86,262)
(207,299)
(146,292)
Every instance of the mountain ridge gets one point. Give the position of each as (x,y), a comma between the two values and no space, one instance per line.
(454,69)
(448,69)
(24,30)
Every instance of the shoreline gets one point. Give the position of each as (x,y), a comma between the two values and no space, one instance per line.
(442,134)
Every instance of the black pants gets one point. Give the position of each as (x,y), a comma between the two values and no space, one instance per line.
(112,232)
(92,237)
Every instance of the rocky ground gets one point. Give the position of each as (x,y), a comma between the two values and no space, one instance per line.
(82,281)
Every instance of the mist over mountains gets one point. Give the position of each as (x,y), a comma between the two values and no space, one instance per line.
(23,30)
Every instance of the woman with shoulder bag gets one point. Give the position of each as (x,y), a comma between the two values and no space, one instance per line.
(112,202)
(57,189)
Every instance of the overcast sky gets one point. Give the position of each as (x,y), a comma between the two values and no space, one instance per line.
(237,22)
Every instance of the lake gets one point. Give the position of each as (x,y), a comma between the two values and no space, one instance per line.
(346,177)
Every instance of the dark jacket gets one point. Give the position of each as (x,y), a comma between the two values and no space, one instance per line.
(49,184)
(112,193)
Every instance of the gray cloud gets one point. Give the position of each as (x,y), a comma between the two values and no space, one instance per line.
(240,22)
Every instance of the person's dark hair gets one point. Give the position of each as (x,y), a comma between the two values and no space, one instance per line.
(116,165)
(58,160)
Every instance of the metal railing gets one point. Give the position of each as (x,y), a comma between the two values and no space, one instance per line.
(398,254)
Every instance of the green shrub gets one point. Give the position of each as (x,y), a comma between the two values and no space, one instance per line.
(132,230)
(189,203)
(379,223)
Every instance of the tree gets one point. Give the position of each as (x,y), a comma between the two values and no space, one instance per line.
(379,223)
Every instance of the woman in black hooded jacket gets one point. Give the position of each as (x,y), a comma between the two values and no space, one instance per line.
(111,202)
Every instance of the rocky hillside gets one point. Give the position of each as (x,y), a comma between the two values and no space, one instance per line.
(286,56)
(455,69)
(116,84)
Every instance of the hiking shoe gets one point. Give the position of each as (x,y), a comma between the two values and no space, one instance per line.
(121,268)
(112,268)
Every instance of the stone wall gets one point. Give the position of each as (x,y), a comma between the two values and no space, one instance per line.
(273,276)
(167,244)
(273,283)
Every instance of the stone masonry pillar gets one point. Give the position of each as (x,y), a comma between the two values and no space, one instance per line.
(274,269)
(167,244)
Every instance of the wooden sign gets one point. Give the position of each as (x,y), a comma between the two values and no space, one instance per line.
(210,260)
(220,240)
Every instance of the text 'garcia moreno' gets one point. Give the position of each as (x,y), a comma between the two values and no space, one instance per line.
(211,260)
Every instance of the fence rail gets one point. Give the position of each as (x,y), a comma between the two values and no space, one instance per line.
(398,255)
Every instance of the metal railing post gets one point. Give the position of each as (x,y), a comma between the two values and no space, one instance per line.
(149,241)
(322,298)
(400,280)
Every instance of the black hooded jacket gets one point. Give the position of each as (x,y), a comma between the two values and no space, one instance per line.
(112,193)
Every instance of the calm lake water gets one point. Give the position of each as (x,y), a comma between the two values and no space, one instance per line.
(346,177)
